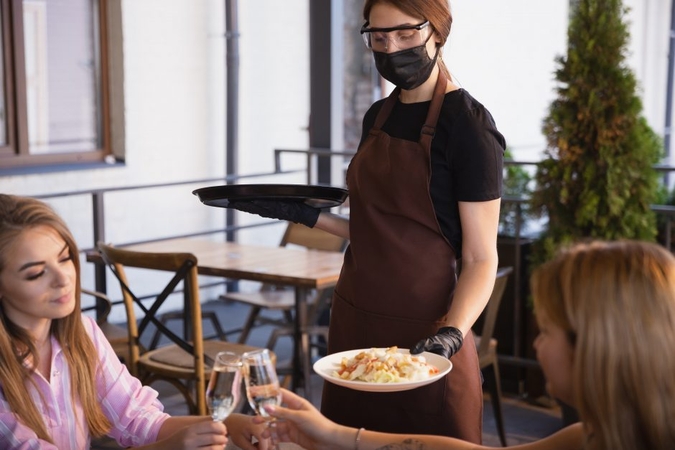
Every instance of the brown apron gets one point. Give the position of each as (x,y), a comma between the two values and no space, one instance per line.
(396,287)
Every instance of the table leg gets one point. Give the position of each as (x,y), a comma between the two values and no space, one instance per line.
(301,351)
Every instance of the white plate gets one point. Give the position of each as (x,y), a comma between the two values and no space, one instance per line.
(328,364)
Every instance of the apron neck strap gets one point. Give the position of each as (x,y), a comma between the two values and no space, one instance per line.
(429,127)
(386,109)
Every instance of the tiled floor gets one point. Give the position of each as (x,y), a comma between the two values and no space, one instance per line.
(524,421)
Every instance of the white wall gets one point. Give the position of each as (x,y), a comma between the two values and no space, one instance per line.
(174,55)
(503,53)
(649,23)
(274,96)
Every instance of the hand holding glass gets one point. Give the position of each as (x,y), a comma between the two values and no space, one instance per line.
(262,383)
(223,391)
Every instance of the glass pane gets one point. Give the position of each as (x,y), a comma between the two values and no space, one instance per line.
(3,102)
(61,72)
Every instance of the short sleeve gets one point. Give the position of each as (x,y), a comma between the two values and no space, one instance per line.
(476,150)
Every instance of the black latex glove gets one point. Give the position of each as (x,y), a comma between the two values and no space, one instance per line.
(297,212)
(446,342)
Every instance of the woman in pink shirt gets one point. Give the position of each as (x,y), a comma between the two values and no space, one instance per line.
(60,381)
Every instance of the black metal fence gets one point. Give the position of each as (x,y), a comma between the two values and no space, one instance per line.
(313,155)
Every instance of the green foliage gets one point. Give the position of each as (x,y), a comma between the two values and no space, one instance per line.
(516,184)
(597,178)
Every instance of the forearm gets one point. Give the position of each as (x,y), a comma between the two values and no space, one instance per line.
(472,292)
(372,440)
(344,438)
(334,224)
(479,262)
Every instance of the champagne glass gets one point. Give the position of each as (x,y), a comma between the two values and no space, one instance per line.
(262,383)
(223,391)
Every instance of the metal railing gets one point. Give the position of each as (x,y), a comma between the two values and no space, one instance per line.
(98,221)
(311,155)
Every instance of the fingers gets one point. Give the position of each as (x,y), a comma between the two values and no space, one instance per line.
(279,412)
(258,420)
(245,445)
(206,438)
(208,427)
(419,347)
(242,429)
(293,401)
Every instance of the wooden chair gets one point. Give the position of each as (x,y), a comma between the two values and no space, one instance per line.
(279,298)
(116,335)
(487,349)
(185,362)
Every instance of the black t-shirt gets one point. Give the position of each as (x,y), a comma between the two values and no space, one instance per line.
(467,153)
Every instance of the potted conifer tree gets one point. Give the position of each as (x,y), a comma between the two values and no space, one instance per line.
(597,178)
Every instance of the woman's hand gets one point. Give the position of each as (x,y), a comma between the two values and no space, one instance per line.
(300,422)
(446,342)
(241,429)
(201,434)
(297,212)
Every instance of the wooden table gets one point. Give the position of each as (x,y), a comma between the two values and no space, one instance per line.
(300,268)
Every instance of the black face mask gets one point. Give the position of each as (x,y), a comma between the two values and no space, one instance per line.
(407,68)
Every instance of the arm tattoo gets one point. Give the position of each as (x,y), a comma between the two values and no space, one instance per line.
(407,444)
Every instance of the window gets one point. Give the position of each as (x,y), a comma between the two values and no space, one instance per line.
(53,105)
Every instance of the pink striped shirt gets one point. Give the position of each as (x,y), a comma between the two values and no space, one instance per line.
(134,411)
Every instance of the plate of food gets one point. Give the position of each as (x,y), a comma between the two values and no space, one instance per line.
(382,369)
(312,195)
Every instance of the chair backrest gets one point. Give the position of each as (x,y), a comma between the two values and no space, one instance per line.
(103,304)
(493,308)
(184,267)
(313,238)
(117,336)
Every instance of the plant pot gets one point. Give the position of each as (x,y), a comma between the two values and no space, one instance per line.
(515,327)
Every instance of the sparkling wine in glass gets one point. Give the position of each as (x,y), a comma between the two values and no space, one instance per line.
(223,391)
(262,383)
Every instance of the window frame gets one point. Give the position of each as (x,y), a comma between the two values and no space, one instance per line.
(15,154)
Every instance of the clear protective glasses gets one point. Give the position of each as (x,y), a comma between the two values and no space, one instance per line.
(402,37)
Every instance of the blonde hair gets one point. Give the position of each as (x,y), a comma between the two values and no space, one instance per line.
(18,214)
(616,300)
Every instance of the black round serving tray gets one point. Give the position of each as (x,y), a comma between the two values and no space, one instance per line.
(312,195)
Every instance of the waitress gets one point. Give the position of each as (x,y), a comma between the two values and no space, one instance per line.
(424,192)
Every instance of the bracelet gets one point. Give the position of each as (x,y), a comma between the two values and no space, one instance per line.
(358,438)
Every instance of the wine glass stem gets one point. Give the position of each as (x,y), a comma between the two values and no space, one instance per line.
(275,444)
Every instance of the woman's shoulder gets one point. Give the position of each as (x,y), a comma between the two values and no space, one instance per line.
(91,328)
(370,116)
(460,107)
(88,322)
(569,438)
(461,101)
(375,108)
